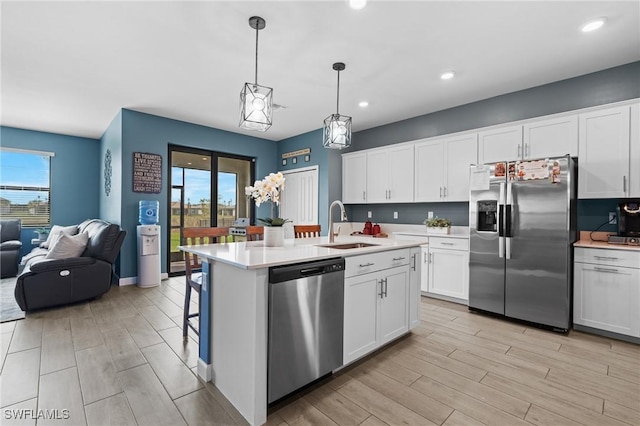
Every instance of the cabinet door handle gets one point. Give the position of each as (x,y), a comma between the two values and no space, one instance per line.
(610,270)
(518,150)
(526,150)
(605,258)
(364,195)
(425,257)
(447,244)
(365,265)
(624,184)
(440,192)
(397,258)
(381,292)
(430,257)
(415,261)
(385,287)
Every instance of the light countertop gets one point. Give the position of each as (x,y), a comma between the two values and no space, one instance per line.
(254,255)
(599,240)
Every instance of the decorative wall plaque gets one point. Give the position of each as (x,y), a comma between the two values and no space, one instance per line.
(147,172)
(107,172)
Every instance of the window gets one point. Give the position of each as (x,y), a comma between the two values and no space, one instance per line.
(25,186)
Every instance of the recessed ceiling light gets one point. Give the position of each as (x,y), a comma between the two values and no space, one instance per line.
(447,75)
(357,4)
(363,104)
(593,25)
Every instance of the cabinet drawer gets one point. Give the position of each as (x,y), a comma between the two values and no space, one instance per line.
(449,243)
(366,263)
(626,258)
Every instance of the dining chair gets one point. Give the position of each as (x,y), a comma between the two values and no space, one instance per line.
(193,268)
(255,233)
(306,231)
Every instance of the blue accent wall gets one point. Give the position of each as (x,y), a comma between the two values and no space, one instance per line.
(75,172)
(142,132)
(329,162)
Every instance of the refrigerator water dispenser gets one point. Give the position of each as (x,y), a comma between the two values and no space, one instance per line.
(487,215)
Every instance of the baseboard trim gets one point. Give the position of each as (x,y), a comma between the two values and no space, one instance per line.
(134,280)
(205,371)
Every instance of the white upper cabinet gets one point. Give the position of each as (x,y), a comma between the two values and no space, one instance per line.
(429,168)
(604,147)
(442,168)
(381,175)
(500,144)
(555,137)
(354,178)
(390,174)
(460,153)
(634,154)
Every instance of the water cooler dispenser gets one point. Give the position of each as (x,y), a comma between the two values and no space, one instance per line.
(148,233)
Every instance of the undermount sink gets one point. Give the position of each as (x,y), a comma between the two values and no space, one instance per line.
(346,246)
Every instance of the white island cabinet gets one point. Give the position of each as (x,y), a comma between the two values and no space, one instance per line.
(376,301)
(234,306)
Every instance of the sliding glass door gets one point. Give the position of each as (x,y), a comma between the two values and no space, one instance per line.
(198,177)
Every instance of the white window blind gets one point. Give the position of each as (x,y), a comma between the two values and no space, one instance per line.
(25,186)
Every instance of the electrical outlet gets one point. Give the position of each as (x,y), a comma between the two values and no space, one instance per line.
(430,215)
(613,219)
(395,215)
(369,215)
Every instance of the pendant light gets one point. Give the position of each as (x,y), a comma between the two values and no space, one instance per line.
(256,102)
(337,128)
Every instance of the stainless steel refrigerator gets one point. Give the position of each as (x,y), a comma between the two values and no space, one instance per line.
(522,226)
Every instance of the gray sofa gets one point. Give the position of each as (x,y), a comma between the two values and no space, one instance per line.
(47,282)
(10,246)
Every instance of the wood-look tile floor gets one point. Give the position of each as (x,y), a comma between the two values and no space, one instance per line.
(121,360)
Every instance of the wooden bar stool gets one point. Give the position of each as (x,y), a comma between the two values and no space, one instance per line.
(306,231)
(193,267)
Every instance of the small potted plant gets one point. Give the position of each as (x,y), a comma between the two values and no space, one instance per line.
(43,233)
(438,225)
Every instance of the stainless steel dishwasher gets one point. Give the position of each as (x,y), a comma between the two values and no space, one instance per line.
(306,303)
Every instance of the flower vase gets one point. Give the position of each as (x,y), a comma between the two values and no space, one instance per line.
(444,230)
(273,236)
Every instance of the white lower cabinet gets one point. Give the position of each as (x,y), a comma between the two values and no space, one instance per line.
(376,304)
(607,290)
(445,268)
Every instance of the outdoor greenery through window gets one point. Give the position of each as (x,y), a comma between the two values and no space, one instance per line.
(25,186)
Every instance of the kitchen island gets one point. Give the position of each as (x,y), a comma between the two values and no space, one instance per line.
(234,307)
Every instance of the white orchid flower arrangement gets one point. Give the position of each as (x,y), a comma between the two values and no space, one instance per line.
(266,190)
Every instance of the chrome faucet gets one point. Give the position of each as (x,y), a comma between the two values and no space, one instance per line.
(343,217)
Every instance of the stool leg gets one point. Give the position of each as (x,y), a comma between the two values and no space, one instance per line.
(185,318)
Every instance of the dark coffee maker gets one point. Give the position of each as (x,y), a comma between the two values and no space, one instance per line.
(629,219)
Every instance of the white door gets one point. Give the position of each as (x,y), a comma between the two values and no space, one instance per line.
(551,138)
(604,153)
(502,144)
(449,273)
(354,178)
(607,298)
(299,201)
(377,176)
(428,171)
(460,152)
(393,314)
(360,315)
(400,179)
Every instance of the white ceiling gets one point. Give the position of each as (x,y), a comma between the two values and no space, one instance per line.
(68,67)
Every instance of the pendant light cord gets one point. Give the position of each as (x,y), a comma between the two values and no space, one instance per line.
(338,96)
(256,80)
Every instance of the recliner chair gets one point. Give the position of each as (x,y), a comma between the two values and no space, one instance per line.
(10,246)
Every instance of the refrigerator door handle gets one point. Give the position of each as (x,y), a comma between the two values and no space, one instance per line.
(508,231)
(508,248)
